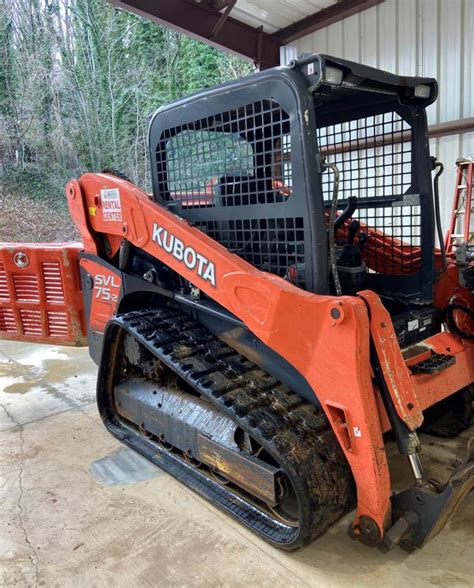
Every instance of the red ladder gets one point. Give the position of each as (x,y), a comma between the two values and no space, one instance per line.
(460,230)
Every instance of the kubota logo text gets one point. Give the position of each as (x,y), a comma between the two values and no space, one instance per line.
(193,260)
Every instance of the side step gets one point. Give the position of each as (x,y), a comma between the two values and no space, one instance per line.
(437,362)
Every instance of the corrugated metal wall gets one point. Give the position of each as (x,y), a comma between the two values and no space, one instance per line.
(432,38)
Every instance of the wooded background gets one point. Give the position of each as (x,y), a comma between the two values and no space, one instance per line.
(78,80)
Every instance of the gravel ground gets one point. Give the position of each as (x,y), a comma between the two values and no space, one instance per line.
(33,221)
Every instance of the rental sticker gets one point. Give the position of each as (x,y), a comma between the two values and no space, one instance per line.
(111,206)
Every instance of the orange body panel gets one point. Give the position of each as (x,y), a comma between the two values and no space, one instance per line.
(333,354)
(40,293)
(392,363)
(430,389)
(105,296)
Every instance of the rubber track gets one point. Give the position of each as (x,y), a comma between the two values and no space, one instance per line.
(295,432)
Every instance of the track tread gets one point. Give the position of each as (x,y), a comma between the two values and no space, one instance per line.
(284,423)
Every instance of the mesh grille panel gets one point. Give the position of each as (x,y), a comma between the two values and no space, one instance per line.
(274,245)
(374,157)
(236,164)
(4,295)
(31,321)
(236,158)
(26,287)
(53,283)
(7,320)
(58,325)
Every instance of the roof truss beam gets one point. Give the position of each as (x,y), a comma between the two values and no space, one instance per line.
(323,18)
(202,21)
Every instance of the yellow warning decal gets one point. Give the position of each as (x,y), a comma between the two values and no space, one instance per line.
(92,210)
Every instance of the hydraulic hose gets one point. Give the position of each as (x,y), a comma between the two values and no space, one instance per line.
(440,166)
(332,222)
(447,316)
(346,213)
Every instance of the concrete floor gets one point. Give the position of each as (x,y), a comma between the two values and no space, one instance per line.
(78,509)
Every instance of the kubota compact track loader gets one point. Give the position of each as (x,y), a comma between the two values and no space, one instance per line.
(276,306)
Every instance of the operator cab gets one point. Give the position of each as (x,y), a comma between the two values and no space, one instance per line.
(247,163)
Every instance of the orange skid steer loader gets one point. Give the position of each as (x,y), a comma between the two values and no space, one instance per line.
(276,306)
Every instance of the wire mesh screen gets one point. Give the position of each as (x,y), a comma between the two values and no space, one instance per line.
(374,157)
(274,245)
(236,158)
(217,169)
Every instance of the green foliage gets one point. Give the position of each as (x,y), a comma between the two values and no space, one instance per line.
(78,79)
(34,182)
(4,61)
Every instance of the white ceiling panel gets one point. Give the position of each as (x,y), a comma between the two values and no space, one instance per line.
(276,14)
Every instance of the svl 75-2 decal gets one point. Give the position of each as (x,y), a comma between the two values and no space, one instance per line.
(106,287)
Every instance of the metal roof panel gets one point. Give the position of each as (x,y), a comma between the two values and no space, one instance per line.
(276,14)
